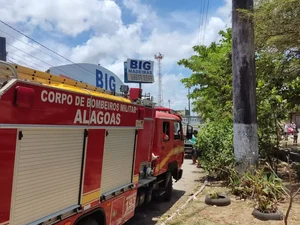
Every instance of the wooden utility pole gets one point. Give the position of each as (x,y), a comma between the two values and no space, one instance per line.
(244,85)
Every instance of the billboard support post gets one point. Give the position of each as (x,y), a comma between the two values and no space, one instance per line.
(138,71)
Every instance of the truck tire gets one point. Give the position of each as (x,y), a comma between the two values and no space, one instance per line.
(88,221)
(169,190)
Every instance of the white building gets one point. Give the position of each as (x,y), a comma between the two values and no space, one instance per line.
(194,121)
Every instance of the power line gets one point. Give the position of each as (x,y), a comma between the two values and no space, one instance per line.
(29,54)
(90,73)
(201,20)
(199,27)
(18,39)
(23,58)
(205,23)
(35,41)
(14,61)
(41,60)
(46,47)
(9,60)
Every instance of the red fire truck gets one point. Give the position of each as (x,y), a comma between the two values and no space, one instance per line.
(72,153)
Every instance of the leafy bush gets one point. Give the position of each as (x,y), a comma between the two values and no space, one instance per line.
(214,195)
(215,143)
(264,187)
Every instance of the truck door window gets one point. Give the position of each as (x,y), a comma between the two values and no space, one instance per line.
(177,130)
(166,130)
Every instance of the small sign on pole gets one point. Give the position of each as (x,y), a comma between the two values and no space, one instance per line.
(138,71)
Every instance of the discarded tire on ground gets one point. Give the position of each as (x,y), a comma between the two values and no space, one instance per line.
(222,200)
(267,216)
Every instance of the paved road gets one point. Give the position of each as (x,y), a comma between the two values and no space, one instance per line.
(185,187)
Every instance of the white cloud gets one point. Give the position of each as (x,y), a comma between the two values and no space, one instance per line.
(111,41)
(187,20)
(172,90)
(144,13)
(224,12)
(104,47)
(69,17)
(214,25)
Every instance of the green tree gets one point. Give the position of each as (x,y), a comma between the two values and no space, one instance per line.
(278,87)
(272,107)
(215,143)
(277,32)
(211,78)
(277,25)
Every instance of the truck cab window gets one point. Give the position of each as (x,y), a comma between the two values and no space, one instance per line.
(166,131)
(177,130)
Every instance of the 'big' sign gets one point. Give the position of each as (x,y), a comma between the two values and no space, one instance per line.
(139,71)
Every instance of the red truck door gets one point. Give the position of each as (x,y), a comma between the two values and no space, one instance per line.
(178,147)
(164,137)
(172,147)
(167,143)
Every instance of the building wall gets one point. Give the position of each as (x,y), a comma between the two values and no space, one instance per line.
(195,121)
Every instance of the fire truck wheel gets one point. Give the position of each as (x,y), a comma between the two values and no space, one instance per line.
(169,189)
(88,221)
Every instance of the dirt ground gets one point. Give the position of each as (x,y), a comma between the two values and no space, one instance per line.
(159,210)
(238,212)
(198,213)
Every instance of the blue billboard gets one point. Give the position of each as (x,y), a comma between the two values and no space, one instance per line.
(138,71)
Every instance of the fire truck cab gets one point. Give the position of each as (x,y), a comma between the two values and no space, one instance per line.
(74,154)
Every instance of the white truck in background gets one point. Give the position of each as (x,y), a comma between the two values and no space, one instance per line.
(188,146)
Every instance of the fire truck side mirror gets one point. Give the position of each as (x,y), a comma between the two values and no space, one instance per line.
(189,132)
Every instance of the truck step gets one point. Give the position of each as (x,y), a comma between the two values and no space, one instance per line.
(158,192)
(162,193)
(160,181)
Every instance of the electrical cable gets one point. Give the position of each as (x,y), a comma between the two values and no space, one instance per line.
(199,27)
(203,21)
(23,58)
(206,20)
(14,61)
(41,60)
(30,45)
(92,74)
(74,64)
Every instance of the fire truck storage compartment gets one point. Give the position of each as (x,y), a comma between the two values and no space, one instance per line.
(47,173)
(118,159)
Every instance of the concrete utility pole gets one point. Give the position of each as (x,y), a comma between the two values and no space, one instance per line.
(244,85)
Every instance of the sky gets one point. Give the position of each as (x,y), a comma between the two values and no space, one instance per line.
(108,32)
